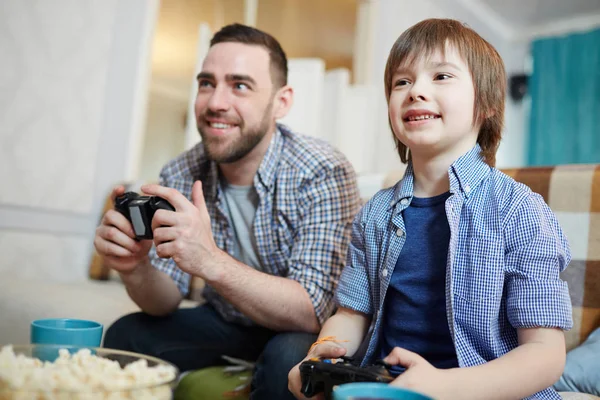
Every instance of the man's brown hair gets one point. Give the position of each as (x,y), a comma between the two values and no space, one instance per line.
(239,33)
(485,66)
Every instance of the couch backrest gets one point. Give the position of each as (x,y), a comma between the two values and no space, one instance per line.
(573,193)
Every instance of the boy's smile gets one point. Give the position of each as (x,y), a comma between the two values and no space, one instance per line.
(419,117)
(431,105)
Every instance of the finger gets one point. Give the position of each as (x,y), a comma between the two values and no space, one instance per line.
(164,234)
(198,195)
(328,350)
(119,238)
(107,248)
(173,196)
(165,250)
(119,221)
(164,218)
(116,192)
(403,357)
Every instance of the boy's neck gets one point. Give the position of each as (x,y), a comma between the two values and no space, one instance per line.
(431,169)
(431,177)
(431,174)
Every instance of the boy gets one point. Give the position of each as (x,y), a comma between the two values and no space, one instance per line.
(455,269)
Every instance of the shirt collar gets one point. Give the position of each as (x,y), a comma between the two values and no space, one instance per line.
(268,166)
(465,174)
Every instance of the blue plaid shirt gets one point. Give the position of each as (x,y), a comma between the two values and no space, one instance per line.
(307,199)
(505,253)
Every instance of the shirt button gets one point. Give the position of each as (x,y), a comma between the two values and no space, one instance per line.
(404,202)
(399,232)
(467,189)
(384,273)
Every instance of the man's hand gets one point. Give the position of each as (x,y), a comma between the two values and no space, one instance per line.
(186,234)
(329,349)
(115,240)
(420,375)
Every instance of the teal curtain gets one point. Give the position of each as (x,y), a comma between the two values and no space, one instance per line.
(564,126)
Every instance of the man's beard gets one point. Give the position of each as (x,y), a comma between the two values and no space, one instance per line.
(241,146)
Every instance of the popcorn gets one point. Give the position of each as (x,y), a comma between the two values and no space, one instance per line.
(81,376)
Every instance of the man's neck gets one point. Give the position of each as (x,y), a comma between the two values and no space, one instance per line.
(242,172)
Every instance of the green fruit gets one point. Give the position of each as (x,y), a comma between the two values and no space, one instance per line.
(214,383)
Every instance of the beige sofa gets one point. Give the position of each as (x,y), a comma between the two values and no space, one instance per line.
(573,192)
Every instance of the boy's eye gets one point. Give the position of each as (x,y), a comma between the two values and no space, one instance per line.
(401,82)
(441,77)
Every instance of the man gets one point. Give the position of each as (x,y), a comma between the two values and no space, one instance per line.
(267,227)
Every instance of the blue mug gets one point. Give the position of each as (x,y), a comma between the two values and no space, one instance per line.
(66,331)
(374,391)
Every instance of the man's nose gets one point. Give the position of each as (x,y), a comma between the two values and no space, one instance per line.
(219,100)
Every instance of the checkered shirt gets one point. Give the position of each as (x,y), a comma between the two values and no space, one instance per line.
(307,199)
(505,253)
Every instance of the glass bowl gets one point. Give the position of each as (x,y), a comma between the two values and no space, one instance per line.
(37,372)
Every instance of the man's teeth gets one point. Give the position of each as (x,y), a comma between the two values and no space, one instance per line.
(220,125)
(421,117)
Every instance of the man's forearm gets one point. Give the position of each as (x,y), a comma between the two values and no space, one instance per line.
(272,301)
(529,368)
(152,290)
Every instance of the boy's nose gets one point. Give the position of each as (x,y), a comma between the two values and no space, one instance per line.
(417,92)
(417,97)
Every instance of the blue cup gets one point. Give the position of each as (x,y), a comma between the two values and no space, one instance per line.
(375,391)
(66,331)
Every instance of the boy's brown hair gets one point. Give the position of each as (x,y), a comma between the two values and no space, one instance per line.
(485,66)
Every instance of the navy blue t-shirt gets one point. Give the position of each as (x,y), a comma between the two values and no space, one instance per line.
(414,314)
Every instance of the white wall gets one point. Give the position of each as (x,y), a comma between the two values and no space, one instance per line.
(165,131)
(74,79)
(307,77)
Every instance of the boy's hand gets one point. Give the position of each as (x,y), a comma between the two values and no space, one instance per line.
(322,351)
(420,375)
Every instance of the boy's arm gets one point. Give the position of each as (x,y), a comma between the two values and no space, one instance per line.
(348,328)
(534,365)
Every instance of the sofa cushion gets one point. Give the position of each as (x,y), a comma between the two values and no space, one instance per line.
(582,371)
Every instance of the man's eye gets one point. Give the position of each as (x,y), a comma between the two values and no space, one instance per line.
(204,83)
(241,86)
(442,77)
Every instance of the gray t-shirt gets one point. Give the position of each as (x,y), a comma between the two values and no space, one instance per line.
(241,203)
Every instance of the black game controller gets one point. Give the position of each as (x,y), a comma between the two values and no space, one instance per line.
(139,210)
(322,375)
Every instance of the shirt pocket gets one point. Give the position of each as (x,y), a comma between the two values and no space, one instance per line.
(479,270)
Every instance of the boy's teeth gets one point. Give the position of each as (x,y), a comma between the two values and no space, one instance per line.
(420,117)
(219,125)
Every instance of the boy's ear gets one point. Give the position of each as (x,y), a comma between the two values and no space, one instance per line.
(284,99)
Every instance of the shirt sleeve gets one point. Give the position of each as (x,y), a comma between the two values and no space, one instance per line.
(167,265)
(536,252)
(329,204)
(353,289)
